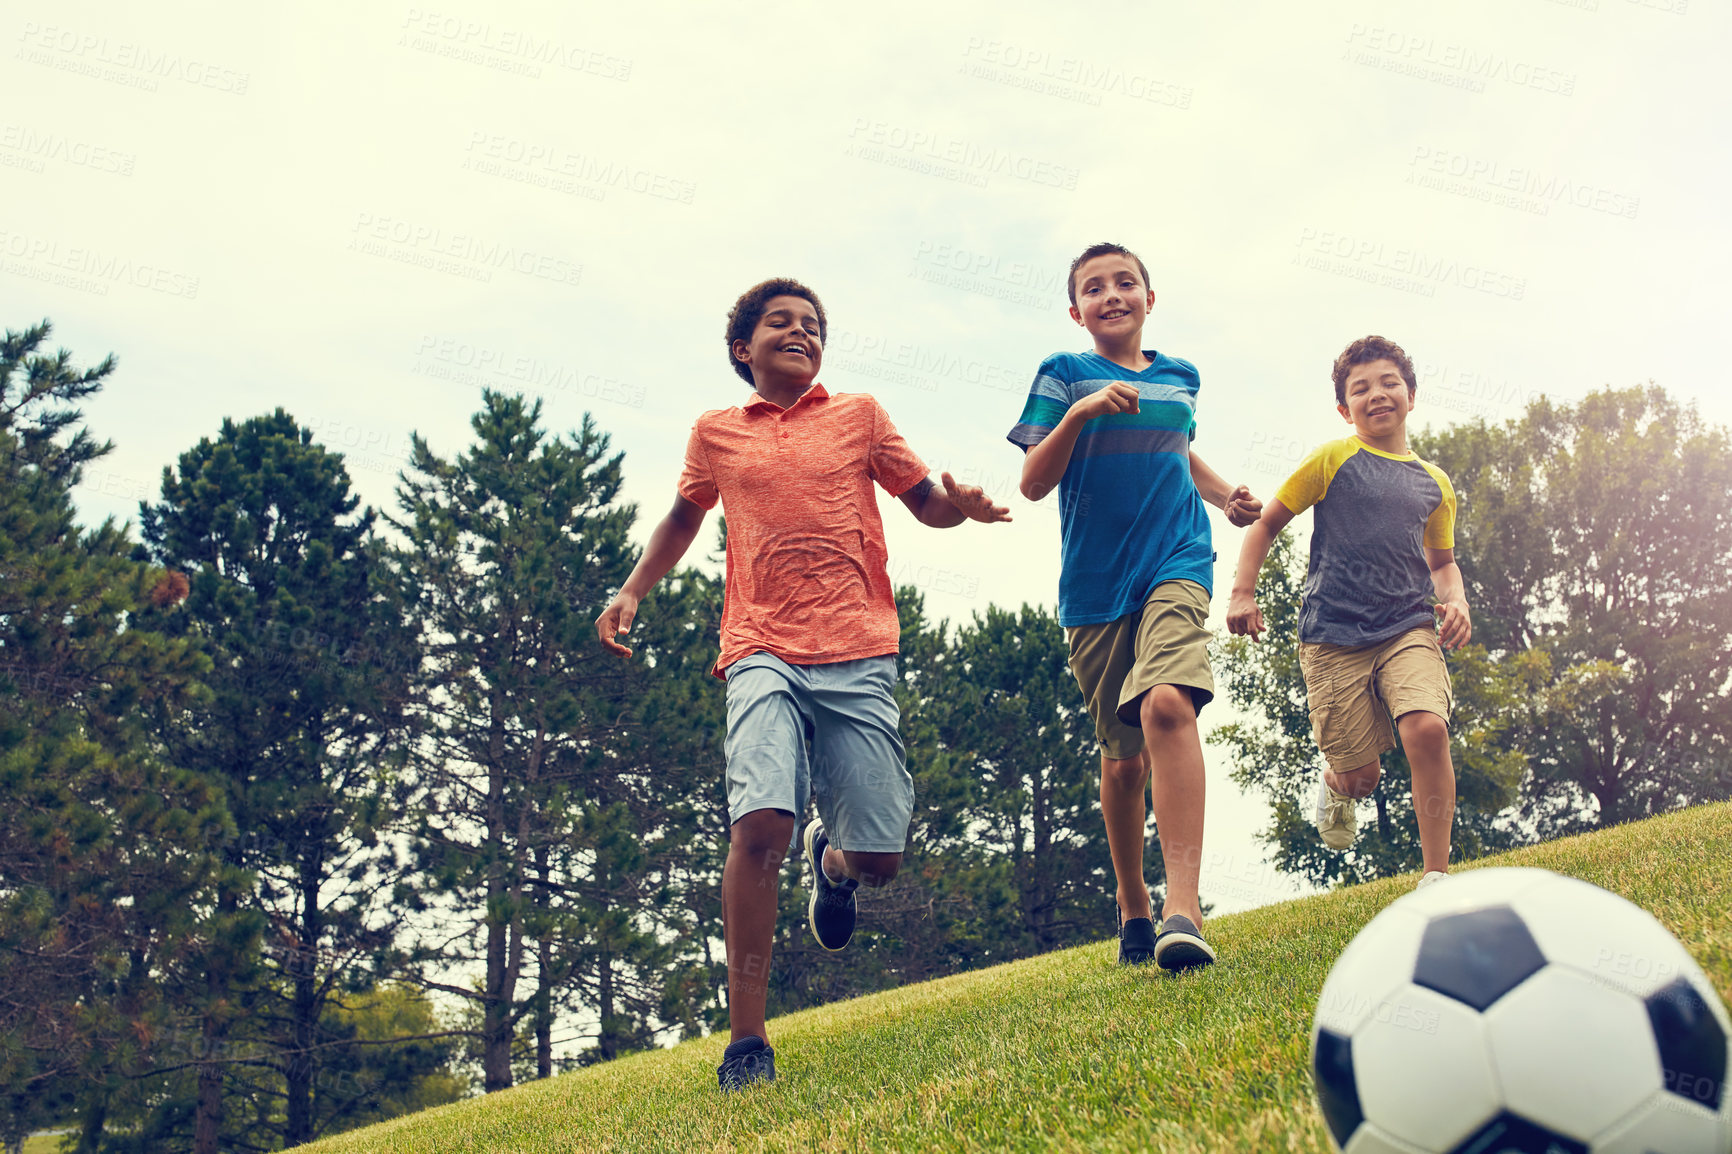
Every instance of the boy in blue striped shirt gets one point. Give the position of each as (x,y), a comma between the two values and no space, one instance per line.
(1111,430)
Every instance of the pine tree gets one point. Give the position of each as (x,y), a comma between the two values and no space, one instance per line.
(103,862)
(540,845)
(302,729)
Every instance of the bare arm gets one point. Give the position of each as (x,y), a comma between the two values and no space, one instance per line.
(1214,490)
(1455,624)
(1045,463)
(951,505)
(1238,503)
(672,537)
(1243,616)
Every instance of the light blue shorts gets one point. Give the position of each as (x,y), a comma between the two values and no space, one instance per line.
(826,731)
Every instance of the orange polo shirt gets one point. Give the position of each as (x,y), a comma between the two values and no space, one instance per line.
(806,575)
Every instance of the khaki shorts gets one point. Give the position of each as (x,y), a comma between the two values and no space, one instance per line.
(1354,691)
(1166,642)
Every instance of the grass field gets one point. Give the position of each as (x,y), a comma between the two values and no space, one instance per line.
(1061,1052)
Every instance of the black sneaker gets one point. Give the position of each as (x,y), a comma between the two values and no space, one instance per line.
(1136,941)
(1180,945)
(745,1062)
(832,910)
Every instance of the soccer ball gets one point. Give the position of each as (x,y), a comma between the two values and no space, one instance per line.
(1517,1011)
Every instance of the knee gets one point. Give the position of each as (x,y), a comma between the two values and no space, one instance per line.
(1361,782)
(763,833)
(873,869)
(1167,708)
(1425,729)
(1124,774)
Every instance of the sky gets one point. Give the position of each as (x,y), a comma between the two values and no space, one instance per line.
(367,213)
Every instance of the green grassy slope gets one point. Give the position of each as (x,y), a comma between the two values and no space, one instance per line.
(1061,1052)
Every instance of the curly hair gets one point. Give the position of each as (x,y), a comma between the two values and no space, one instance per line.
(1104,248)
(749,310)
(1362,352)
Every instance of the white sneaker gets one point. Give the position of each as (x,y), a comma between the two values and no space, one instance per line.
(1336,819)
(1431,878)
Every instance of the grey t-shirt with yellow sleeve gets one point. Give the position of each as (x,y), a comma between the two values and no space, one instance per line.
(1377,513)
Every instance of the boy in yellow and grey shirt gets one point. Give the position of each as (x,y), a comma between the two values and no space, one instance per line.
(1383,598)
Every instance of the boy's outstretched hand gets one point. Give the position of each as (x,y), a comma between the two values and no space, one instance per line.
(973,501)
(1242,508)
(1243,616)
(1454,625)
(616,619)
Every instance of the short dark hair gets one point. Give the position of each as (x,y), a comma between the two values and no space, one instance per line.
(1362,352)
(749,310)
(1104,248)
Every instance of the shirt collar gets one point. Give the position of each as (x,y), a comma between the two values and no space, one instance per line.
(815,392)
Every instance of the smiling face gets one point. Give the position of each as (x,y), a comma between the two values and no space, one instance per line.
(1111,298)
(1378,400)
(785,346)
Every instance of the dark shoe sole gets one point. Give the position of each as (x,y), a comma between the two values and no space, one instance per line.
(1182,948)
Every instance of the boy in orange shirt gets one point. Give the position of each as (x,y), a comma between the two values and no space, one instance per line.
(809,635)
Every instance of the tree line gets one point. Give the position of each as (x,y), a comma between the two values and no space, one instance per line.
(317,814)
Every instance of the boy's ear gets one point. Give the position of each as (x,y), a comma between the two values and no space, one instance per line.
(1412,396)
(1075,314)
(1346,414)
(1151,302)
(742,351)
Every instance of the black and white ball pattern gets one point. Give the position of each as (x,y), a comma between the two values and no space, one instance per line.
(1517,1011)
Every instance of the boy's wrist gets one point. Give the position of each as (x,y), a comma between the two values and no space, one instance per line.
(1077,414)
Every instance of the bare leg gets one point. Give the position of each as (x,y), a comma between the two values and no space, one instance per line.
(757,845)
(1176,761)
(1425,739)
(1123,785)
(869,869)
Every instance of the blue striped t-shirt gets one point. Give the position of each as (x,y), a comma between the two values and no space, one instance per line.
(1129,514)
